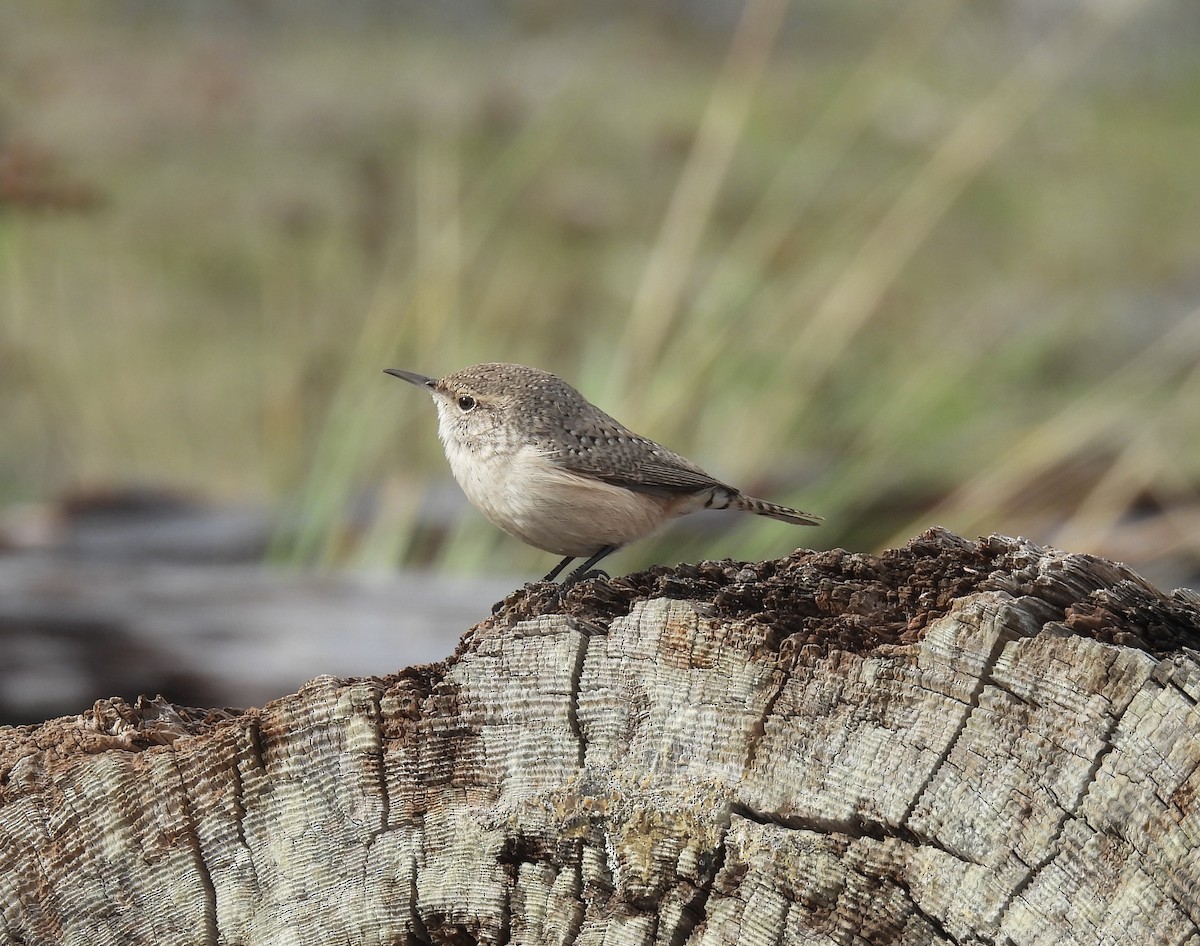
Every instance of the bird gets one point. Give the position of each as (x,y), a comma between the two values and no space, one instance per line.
(550,468)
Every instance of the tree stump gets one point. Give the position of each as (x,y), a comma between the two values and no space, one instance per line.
(955,742)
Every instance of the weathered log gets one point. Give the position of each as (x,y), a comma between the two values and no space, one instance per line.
(954,742)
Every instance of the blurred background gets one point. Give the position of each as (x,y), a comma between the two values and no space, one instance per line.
(899,265)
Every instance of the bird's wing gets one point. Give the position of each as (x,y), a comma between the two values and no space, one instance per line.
(640,465)
(661,479)
(603,448)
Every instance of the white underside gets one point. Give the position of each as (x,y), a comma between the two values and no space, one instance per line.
(549,507)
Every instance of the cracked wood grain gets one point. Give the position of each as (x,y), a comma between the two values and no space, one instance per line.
(953,742)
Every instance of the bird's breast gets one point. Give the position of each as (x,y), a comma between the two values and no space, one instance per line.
(483,472)
(549,507)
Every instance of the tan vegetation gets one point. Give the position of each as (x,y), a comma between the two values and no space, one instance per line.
(939,265)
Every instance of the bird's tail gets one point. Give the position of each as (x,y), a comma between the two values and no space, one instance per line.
(761,507)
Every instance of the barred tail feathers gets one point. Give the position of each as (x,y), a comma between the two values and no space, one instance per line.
(726,497)
(761,507)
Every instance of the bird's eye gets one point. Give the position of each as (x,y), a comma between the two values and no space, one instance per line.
(466,403)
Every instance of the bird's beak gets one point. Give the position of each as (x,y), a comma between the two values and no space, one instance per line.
(411,377)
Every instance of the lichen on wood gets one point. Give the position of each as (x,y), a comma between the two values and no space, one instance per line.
(953,742)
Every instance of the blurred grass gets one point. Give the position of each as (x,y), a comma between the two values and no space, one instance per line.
(939,266)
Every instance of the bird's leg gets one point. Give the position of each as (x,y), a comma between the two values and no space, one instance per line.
(585,570)
(559,567)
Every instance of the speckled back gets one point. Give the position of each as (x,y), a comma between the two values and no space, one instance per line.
(576,433)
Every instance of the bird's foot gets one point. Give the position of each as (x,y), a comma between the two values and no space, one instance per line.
(576,577)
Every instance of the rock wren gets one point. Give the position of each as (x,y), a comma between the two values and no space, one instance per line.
(553,470)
